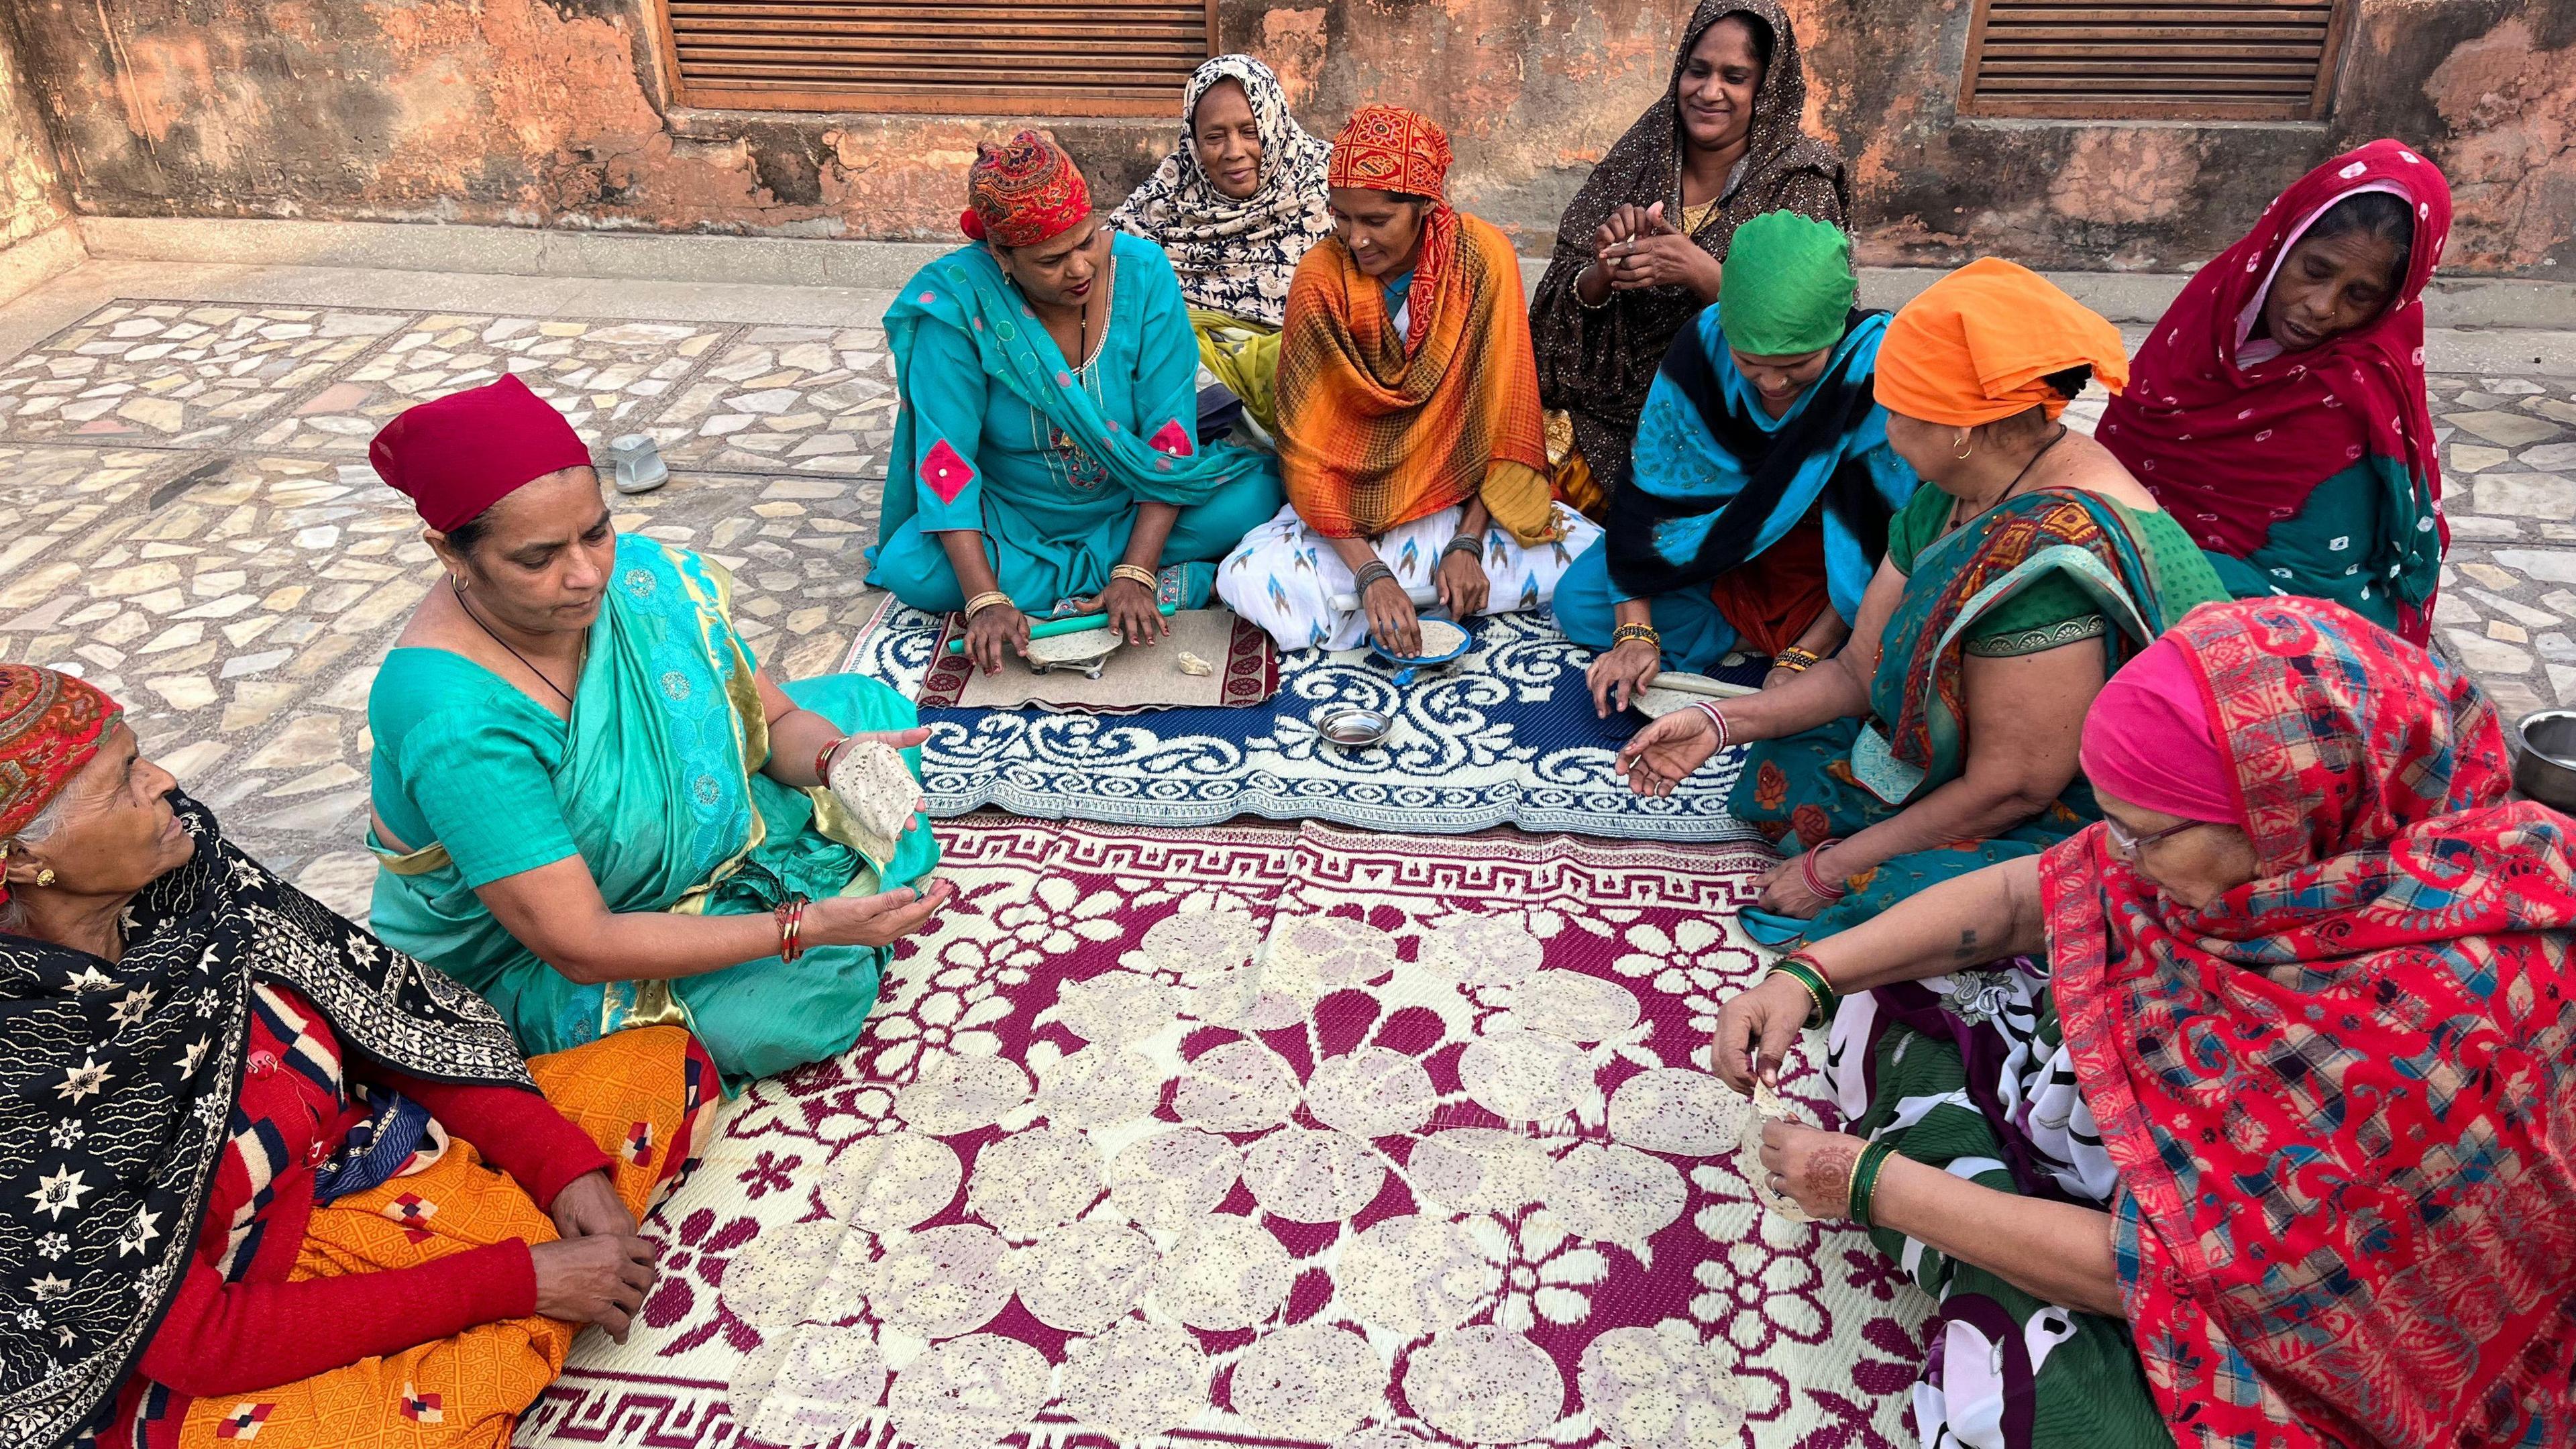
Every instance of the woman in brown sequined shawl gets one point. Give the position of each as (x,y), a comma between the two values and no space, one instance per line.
(1597,357)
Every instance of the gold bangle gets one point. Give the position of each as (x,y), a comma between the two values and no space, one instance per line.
(1639,633)
(1796,660)
(1136,574)
(983,601)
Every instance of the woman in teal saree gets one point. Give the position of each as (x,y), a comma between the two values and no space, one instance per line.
(589,805)
(1942,737)
(1046,456)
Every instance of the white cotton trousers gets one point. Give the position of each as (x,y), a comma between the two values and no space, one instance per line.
(1286,578)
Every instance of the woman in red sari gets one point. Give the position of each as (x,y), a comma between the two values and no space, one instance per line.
(2246,1117)
(2277,412)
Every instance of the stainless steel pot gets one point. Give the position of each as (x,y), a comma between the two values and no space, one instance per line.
(2546,768)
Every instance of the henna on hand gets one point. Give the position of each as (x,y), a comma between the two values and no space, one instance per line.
(1829,1179)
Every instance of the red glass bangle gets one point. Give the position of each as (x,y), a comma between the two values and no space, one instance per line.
(823,760)
(1816,882)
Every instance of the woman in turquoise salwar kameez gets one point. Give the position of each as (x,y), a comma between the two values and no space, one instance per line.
(1021,484)
(590,806)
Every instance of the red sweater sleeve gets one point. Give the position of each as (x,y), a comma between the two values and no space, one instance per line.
(516,1130)
(238,1338)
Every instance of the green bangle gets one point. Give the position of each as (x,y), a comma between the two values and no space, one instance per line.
(1864,1183)
(1804,972)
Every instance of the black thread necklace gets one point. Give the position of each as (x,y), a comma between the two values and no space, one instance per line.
(457,586)
(1956,520)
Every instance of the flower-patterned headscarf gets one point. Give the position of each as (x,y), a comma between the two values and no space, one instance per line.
(1023,192)
(1388,148)
(51,725)
(1237,256)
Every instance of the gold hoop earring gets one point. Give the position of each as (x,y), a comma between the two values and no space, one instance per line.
(1968,438)
(45,877)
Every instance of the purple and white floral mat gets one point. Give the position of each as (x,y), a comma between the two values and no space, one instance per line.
(1261,1136)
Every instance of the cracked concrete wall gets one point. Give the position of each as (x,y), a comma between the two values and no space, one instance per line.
(552,113)
(32,202)
(31,191)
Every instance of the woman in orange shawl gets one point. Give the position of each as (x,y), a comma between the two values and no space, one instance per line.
(1410,435)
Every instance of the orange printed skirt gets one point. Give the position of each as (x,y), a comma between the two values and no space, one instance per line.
(636,1095)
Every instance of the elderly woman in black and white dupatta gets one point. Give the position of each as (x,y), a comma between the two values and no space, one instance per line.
(1236,206)
(230,1201)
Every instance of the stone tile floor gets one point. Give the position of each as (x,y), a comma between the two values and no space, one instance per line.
(186,516)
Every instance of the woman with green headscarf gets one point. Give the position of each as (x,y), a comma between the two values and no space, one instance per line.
(1762,481)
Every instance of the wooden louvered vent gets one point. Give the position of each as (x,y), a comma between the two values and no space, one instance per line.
(1018,57)
(2247,60)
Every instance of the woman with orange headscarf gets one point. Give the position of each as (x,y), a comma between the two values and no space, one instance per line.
(1410,437)
(1942,737)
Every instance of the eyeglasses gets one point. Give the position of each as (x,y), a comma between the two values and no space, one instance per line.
(2129,845)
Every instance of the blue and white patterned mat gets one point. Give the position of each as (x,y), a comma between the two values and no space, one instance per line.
(1506,736)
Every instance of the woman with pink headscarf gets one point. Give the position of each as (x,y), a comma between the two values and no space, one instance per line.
(2240,1117)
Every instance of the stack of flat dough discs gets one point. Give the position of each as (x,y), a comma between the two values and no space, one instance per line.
(1655,701)
(876,787)
(1767,1107)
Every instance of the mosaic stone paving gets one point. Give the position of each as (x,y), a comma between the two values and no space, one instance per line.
(186,517)
(605,376)
(792,399)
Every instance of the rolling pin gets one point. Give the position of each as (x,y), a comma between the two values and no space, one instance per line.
(1070,624)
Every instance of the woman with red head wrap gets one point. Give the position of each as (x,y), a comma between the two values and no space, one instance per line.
(227,1169)
(1046,455)
(2239,1118)
(590,803)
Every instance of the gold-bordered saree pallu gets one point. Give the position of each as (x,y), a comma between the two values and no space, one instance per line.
(1831,781)
(659,787)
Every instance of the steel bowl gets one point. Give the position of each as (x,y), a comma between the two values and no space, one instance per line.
(1354,728)
(2546,768)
